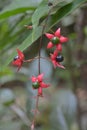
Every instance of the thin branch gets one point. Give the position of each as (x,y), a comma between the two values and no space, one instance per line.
(39,70)
(30,60)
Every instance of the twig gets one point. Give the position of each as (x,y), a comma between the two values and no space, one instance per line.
(39,71)
(30,60)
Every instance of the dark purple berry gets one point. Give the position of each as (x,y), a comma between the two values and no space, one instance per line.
(59,58)
(16,57)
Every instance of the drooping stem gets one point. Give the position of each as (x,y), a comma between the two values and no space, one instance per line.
(39,70)
(44,26)
(30,60)
(35,113)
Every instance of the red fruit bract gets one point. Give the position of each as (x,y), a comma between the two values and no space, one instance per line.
(54,61)
(56,39)
(18,61)
(39,79)
(20,54)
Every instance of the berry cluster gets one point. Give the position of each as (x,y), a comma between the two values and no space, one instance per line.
(37,83)
(56,41)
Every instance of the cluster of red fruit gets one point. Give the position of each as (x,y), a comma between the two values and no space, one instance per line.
(56,41)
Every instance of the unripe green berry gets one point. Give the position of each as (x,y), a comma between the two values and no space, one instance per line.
(35,85)
(55,40)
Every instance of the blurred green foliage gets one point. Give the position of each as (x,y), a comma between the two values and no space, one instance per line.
(58,108)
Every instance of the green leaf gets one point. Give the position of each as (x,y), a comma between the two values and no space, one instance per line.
(27,42)
(62,12)
(9,13)
(18,6)
(60,2)
(41,11)
(67,9)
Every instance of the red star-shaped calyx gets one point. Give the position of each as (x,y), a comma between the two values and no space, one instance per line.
(56,39)
(37,83)
(18,60)
(56,58)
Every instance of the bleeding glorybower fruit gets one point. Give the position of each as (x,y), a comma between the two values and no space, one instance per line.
(56,58)
(16,57)
(55,40)
(18,60)
(59,58)
(35,85)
